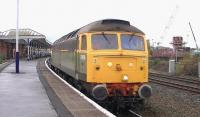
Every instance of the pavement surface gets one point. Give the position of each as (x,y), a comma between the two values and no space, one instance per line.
(22,95)
(3,65)
(65,100)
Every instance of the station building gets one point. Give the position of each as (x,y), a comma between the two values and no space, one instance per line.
(31,44)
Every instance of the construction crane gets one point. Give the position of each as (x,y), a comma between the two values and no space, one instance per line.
(169,24)
(193,36)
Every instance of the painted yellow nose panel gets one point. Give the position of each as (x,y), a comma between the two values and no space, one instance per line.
(118,69)
(126,64)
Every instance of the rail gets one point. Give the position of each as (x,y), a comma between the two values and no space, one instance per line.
(134,113)
(177,78)
(176,82)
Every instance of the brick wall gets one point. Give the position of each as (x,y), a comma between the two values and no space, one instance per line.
(3,49)
(8,50)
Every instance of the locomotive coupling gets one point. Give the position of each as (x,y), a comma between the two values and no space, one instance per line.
(99,92)
(145,91)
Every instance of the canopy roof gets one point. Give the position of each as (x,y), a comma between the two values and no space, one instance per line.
(25,36)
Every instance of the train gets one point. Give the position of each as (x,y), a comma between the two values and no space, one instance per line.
(107,59)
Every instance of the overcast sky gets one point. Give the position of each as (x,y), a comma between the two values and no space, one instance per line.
(55,18)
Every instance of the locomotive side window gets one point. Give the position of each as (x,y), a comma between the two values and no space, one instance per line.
(131,42)
(104,41)
(83,42)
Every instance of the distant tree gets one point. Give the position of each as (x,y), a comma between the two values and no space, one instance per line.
(190,64)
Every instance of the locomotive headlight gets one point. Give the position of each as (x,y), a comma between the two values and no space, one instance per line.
(130,64)
(109,64)
(125,78)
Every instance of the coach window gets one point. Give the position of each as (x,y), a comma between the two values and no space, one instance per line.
(83,42)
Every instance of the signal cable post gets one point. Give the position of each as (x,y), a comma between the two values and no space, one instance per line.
(199,69)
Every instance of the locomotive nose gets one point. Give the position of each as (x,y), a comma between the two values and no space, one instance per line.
(100,92)
(145,91)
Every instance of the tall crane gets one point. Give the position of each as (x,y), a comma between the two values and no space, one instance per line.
(193,36)
(169,24)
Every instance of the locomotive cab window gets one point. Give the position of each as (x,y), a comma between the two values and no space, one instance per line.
(132,42)
(83,42)
(104,41)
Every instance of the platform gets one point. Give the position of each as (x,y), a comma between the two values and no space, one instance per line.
(5,64)
(65,100)
(22,95)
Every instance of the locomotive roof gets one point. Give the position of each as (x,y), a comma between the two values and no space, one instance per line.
(110,25)
(103,25)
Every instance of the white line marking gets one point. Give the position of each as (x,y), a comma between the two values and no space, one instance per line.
(107,113)
(135,113)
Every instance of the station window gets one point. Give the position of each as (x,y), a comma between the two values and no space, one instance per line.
(83,43)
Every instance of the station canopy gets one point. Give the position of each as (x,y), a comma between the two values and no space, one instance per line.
(25,36)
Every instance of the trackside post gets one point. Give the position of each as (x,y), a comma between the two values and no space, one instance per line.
(199,70)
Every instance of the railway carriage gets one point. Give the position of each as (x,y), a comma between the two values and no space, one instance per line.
(106,58)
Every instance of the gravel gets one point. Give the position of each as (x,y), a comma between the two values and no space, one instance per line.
(171,102)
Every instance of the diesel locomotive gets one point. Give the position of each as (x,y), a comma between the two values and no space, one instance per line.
(107,58)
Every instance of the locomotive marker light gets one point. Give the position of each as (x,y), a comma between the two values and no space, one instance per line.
(17,39)
(125,78)
(109,64)
(130,64)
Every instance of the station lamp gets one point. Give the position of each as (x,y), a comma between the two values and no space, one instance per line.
(17,40)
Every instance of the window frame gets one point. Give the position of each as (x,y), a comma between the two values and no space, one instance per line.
(117,42)
(81,44)
(140,37)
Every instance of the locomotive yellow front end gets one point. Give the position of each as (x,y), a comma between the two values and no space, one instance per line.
(117,63)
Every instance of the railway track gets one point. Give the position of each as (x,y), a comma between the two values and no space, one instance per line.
(134,113)
(128,113)
(182,79)
(186,84)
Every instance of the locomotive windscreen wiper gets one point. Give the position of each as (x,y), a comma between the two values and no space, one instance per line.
(130,39)
(106,38)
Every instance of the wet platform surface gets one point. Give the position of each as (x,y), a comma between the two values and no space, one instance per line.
(22,95)
(65,100)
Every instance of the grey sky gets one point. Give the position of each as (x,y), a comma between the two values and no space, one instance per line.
(55,18)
